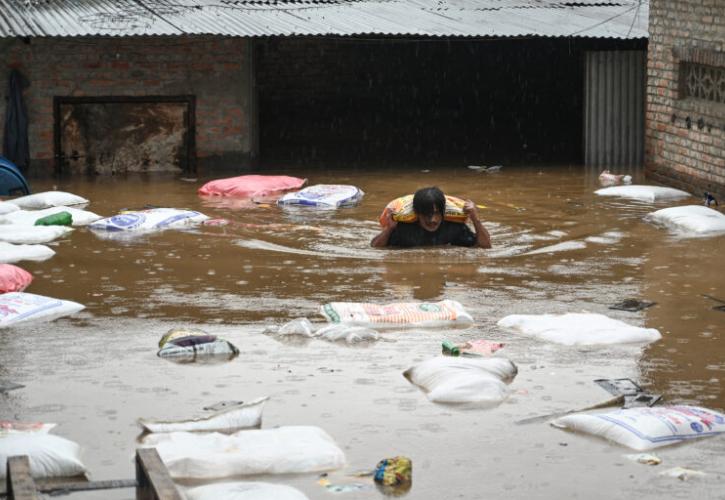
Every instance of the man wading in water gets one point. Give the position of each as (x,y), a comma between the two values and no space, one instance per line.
(429,204)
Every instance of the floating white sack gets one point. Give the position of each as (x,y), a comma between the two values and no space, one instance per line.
(647,428)
(48,199)
(28,217)
(243,416)
(154,219)
(463,380)
(644,193)
(397,315)
(350,334)
(240,490)
(284,450)
(22,234)
(324,196)
(14,253)
(578,329)
(695,220)
(18,307)
(6,207)
(50,456)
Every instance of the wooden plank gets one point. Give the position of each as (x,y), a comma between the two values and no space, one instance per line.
(66,488)
(153,481)
(20,484)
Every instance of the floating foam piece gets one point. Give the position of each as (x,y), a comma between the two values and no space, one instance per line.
(251,186)
(49,455)
(243,416)
(15,253)
(578,329)
(29,217)
(324,196)
(13,278)
(18,307)
(48,199)
(6,207)
(151,220)
(397,315)
(240,490)
(21,234)
(693,220)
(647,428)
(283,450)
(644,193)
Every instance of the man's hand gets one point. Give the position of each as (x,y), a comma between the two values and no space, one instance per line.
(469,208)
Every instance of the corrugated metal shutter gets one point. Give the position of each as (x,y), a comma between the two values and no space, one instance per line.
(614,90)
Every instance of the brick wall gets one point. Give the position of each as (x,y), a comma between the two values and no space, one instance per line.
(685,136)
(215,70)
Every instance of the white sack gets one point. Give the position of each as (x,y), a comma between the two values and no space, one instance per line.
(239,417)
(20,234)
(14,427)
(324,196)
(6,207)
(48,199)
(350,334)
(28,217)
(463,380)
(694,220)
(50,456)
(284,450)
(643,193)
(297,326)
(154,219)
(244,491)
(18,307)
(578,329)
(14,253)
(647,428)
(398,315)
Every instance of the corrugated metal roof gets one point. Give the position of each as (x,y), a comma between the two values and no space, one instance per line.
(438,18)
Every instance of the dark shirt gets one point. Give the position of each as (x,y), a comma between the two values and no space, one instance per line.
(406,235)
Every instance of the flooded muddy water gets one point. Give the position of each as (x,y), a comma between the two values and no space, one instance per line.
(557,247)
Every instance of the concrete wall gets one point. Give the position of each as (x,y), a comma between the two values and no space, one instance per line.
(689,157)
(217,71)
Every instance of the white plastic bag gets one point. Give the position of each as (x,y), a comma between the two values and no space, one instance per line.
(29,217)
(238,417)
(298,326)
(647,428)
(240,490)
(643,193)
(22,234)
(14,253)
(397,315)
(154,219)
(284,450)
(18,307)
(324,196)
(50,456)
(463,380)
(48,199)
(578,329)
(690,220)
(350,334)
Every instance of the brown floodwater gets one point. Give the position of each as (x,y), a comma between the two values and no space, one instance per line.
(96,373)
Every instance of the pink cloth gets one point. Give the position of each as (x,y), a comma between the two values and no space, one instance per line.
(13,279)
(249,186)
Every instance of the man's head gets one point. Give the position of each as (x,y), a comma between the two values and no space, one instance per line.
(429,204)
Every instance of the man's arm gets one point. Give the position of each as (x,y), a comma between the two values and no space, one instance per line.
(483,239)
(381,240)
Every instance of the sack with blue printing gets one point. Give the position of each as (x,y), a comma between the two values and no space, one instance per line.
(647,428)
(18,307)
(154,219)
(324,196)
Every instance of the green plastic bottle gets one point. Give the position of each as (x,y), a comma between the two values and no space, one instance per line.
(450,348)
(59,219)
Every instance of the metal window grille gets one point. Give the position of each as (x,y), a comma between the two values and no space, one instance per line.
(703,82)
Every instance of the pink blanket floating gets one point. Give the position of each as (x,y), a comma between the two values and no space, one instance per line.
(250,186)
(13,278)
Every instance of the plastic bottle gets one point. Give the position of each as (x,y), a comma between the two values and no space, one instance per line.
(59,219)
(450,348)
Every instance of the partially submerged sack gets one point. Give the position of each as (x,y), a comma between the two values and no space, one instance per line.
(48,199)
(31,235)
(402,210)
(350,334)
(283,450)
(463,380)
(414,314)
(693,220)
(647,428)
(242,416)
(324,196)
(644,193)
(154,219)
(30,217)
(251,186)
(15,253)
(18,307)
(240,490)
(13,278)
(578,329)
(49,455)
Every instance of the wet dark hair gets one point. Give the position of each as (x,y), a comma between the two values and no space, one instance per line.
(427,199)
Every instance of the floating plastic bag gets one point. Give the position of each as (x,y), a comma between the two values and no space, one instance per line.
(6,207)
(606,178)
(644,193)
(22,234)
(48,199)
(240,490)
(647,428)
(298,326)
(463,380)
(12,427)
(18,307)
(324,196)
(284,450)
(402,210)
(154,219)
(350,334)
(578,329)
(415,314)
(692,220)
(13,278)
(30,217)
(50,456)
(15,253)
(241,416)
(251,186)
